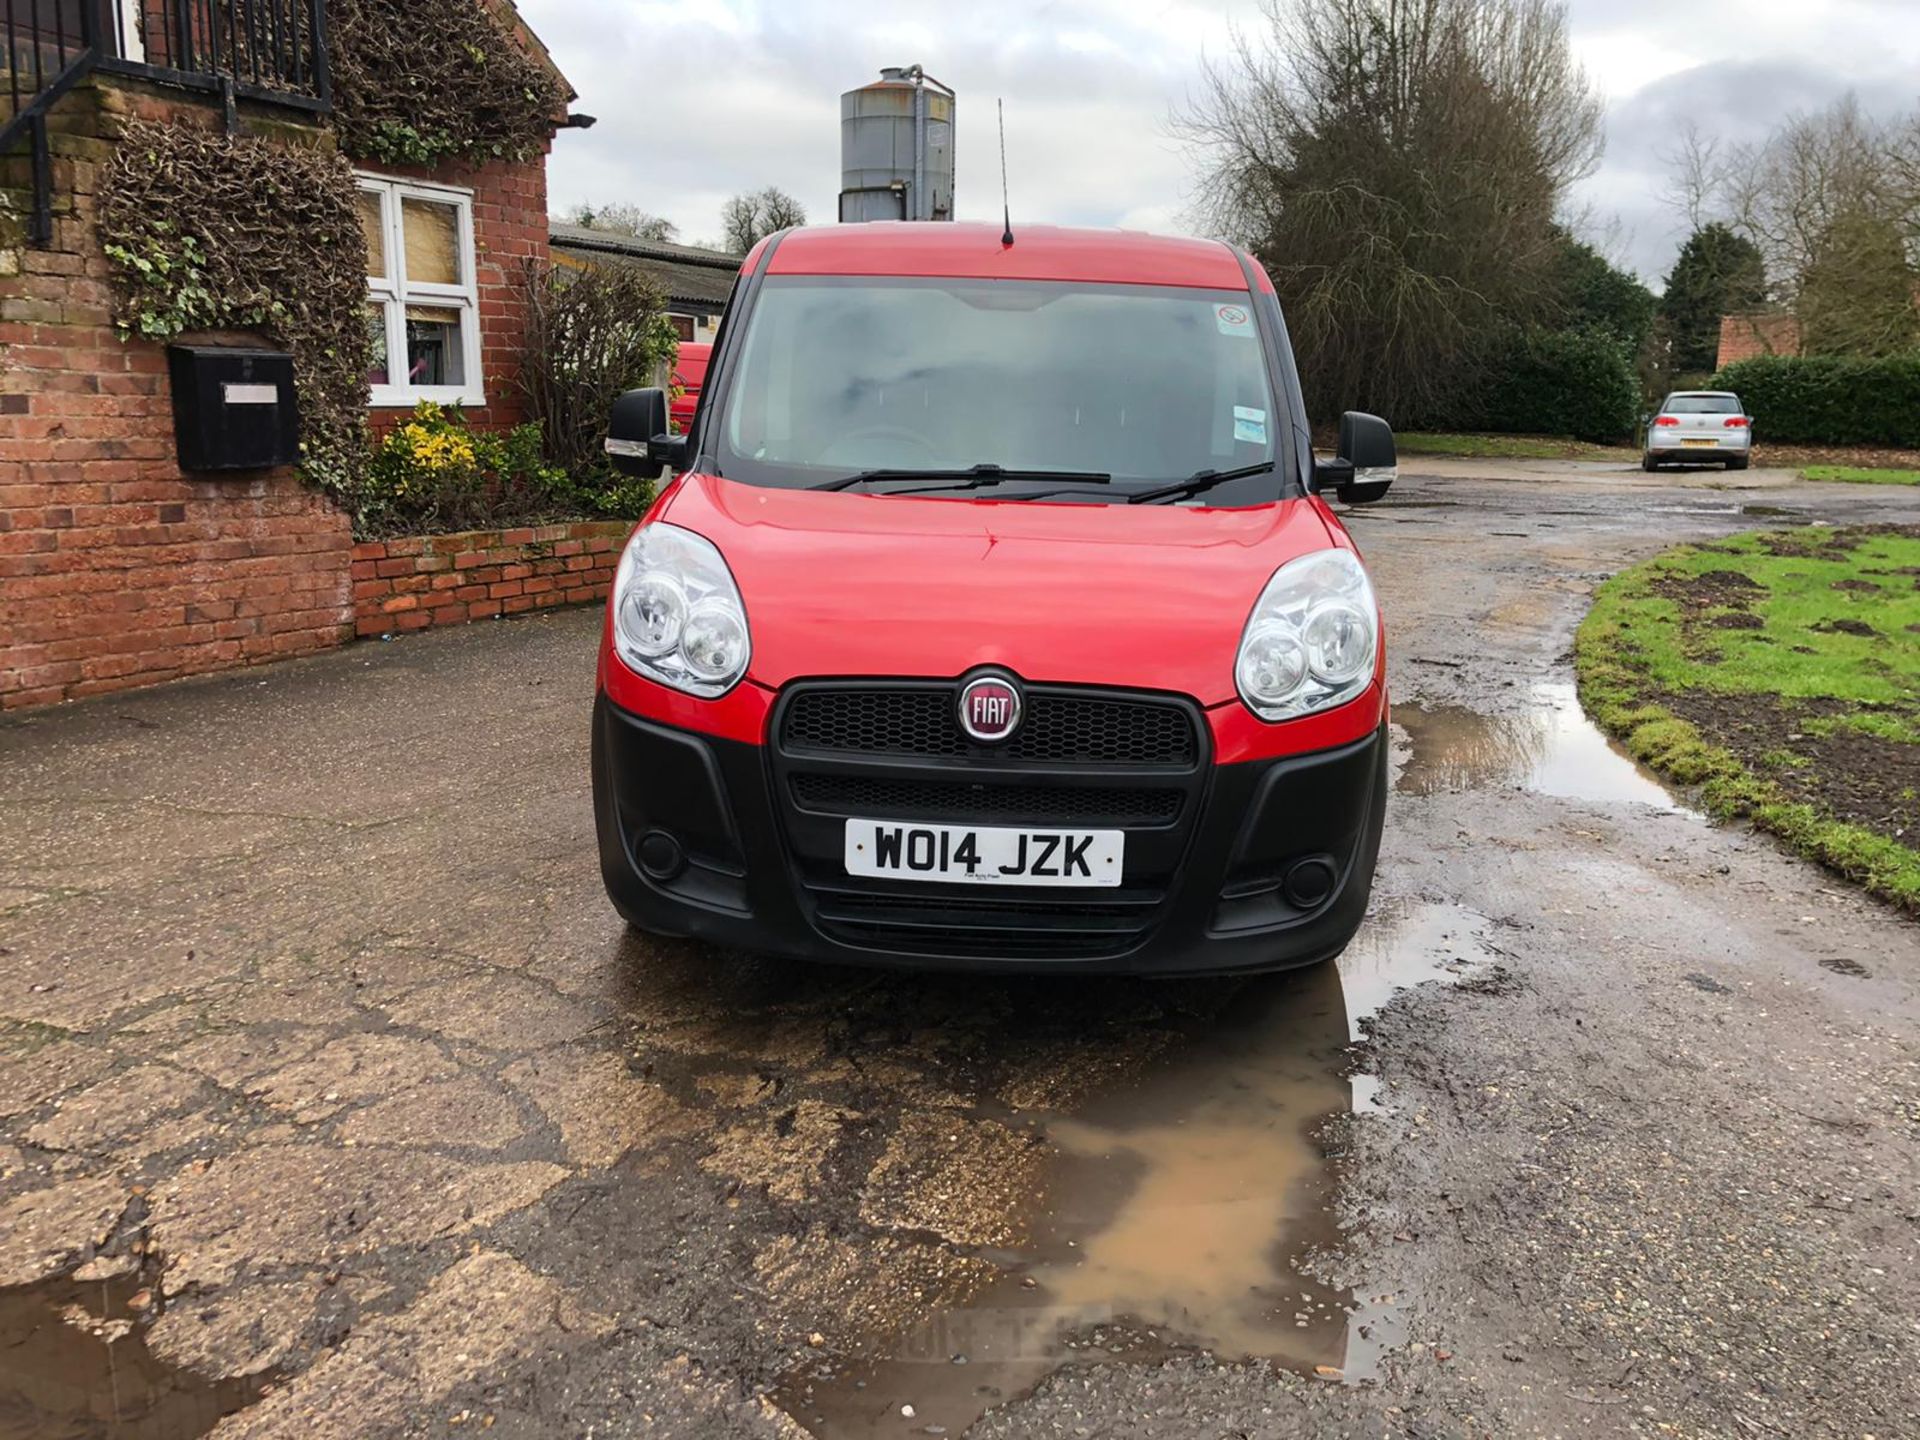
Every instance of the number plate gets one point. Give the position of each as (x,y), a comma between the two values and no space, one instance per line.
(983,855)
(1700,442)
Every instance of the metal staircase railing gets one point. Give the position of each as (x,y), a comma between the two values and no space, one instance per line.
(270,50)
(51,45)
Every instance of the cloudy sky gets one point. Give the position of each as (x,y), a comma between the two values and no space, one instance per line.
(700,99)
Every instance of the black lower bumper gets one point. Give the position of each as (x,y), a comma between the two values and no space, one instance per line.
(701,837)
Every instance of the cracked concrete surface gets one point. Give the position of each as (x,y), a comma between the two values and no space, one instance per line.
(315,1023)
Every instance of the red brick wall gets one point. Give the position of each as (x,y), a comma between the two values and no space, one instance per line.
(425,580)
(509,228)
(116,569)
(1744,337)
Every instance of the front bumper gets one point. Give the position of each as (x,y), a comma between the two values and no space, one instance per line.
(704,837)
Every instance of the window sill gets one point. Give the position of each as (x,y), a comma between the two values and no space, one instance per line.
(405,397)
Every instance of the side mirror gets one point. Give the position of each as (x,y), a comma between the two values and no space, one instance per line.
(1365,464)
(637,438)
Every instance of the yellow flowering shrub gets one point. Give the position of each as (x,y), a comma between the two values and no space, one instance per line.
(432,472)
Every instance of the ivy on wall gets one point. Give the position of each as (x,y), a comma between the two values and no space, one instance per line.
(207,232)
(420,81)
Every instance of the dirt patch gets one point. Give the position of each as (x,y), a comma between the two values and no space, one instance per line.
(1824,542)
(1865,457)
(1846,627)
(1854,777)
(1713,590)
(1737,620)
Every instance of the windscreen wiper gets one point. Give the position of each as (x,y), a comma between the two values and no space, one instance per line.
(1195,483)
(972,478)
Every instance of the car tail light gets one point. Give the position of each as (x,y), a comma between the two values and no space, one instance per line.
(1737,422)
(1665,420)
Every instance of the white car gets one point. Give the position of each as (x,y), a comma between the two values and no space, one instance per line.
(1699,425)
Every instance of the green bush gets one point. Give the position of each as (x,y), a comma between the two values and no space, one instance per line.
(1559,382)
(1829,400)
(433,473)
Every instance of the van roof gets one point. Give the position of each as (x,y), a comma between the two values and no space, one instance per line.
(1039,252)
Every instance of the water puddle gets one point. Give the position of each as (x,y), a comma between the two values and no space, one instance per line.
(1175,1211)
(1550,748)
(74,1363)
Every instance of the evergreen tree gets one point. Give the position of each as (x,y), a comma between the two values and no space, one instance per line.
(1595,295)
(1717,273)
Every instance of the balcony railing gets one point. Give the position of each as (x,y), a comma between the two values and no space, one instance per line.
(270,50)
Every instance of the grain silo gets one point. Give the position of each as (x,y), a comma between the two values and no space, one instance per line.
(896,148)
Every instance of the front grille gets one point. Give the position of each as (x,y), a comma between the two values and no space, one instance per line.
(1004,804)
(969,923)
(1059,727)
(895,750)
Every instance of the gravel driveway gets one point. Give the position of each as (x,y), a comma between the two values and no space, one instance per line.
(335,1101)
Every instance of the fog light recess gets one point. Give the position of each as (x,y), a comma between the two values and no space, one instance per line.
(1309,882)
(660,856)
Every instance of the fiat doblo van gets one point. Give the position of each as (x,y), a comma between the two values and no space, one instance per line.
(995,616)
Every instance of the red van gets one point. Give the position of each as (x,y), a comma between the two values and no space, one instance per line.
(996,617)
(689,378)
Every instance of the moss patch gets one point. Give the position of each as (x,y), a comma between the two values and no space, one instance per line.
(1780,671)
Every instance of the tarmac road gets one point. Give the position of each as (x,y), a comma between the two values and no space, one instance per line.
(335,1100)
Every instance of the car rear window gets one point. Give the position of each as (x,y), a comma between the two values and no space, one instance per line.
(1144,383)
(1701,405)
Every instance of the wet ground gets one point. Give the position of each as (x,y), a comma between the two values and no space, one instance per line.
(336,1102)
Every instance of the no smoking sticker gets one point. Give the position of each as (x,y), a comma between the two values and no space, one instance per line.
(1233,320)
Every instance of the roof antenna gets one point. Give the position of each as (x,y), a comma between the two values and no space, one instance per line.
(1006,210)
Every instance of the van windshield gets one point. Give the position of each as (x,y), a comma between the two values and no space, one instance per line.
(1145,384)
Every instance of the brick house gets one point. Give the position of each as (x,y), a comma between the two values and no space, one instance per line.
(1755,333)
(118,568)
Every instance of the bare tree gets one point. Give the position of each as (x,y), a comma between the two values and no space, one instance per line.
(747,219)
(623,219)
(591,334)
(1832,200)
(1790,191)
(1397,165)
(1697,176)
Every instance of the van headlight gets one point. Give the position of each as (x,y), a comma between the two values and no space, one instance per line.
(1311,640)
(677,616)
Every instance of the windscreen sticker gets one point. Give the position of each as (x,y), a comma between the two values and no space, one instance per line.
(1234,320)
(1249,425)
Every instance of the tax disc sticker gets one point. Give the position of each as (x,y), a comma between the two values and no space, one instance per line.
(1249,425)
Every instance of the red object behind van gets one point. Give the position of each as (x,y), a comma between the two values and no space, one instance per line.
(689,376)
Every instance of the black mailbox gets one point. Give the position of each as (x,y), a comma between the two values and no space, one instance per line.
(233,408)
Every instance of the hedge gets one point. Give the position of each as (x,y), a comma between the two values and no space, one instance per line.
(1558,382)
(1829,400)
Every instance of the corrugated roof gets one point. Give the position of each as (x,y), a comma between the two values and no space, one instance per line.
(684,273)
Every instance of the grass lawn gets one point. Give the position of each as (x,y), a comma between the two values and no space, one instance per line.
(1860,475)
(1779,670)
(1501,447)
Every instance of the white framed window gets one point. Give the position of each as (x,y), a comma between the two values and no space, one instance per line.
(423,305)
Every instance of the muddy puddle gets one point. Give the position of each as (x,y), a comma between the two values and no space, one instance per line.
(74,1365)
(1175,1211)
(1550,748)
